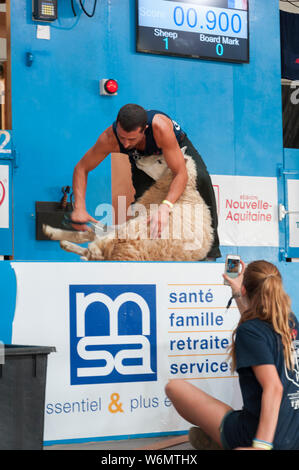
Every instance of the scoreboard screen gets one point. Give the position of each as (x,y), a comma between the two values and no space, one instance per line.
(199,29)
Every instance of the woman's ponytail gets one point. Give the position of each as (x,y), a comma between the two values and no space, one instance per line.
(269,302)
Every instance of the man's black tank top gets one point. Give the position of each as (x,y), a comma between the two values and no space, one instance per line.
(151,147)
(141,181)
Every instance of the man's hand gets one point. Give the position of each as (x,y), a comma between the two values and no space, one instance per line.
(81,215)
(158,221)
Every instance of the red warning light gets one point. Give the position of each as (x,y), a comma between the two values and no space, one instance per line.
(111,86)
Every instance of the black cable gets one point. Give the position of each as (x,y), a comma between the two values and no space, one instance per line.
(86,13)
(73,8)
(291,3)
(229,302)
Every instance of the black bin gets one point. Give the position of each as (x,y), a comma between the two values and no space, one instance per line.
(22,396)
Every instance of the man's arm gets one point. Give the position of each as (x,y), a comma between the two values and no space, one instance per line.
(93,157)
(166,140)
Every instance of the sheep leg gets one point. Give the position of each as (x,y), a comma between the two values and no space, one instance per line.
(59,234)
(73,248)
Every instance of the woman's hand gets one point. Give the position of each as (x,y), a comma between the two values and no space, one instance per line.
(247,448)
(236,283)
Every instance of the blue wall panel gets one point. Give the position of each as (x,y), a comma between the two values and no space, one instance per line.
(57,116)
(231,112)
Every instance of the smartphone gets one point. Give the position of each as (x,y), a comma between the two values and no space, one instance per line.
(232,267)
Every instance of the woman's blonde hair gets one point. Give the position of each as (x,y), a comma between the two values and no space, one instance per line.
(268,301)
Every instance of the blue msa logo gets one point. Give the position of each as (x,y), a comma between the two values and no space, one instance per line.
(113,333)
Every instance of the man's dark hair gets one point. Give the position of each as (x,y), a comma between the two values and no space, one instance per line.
(132,116)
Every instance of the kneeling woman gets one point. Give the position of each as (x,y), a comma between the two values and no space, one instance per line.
(263,352)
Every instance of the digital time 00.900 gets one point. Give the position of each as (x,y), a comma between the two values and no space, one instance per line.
(202,29)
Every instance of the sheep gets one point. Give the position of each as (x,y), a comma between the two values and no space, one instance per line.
(188,237)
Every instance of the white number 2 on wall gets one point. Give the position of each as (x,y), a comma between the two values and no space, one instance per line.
(5,144)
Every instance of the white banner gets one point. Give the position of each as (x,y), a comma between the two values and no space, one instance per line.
(4,196)
(293,207)
(247,210)
(121,331)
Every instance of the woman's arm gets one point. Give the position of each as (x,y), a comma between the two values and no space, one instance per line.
(236,286)
(272,387)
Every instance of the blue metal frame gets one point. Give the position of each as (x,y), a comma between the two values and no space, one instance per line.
(7,157)
(284,227)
